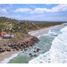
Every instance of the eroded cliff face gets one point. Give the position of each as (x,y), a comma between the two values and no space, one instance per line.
(17,45)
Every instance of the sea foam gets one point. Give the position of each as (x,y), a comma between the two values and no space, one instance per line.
(57,52)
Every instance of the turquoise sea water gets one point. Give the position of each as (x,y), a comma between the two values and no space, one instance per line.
(20,59)
(44,45)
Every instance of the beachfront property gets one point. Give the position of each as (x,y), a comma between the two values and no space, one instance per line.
(6,35)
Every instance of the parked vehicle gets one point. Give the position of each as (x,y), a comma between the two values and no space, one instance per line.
(8,36)
(5,35)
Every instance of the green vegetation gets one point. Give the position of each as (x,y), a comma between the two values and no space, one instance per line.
(13,26)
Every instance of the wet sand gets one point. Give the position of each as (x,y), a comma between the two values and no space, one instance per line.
(6,54)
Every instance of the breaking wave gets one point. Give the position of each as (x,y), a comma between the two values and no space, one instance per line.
(57,52)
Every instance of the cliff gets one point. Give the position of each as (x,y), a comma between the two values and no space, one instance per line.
(17,45)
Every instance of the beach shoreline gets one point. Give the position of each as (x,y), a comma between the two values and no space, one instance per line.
(7,56)
(56,53)
(45,30)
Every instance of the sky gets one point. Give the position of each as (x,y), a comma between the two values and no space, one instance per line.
(39,12)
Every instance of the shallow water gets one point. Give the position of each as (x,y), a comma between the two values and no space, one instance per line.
(20,59)
(44,45)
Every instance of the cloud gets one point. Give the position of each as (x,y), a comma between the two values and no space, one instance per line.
(57,8)
(23,10)
(3,10)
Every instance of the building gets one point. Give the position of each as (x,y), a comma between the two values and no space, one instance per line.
(5,35)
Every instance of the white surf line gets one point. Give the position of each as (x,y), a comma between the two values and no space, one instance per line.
(39,33)
(42,32)
(6,60)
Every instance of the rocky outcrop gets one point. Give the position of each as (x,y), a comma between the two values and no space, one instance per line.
(18,45)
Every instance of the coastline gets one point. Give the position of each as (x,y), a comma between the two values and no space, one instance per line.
(46,56)
(38,33)
(57,53)
(7,56)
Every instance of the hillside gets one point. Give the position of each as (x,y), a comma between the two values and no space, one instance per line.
(13,25)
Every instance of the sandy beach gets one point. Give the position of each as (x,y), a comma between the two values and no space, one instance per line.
(43,31)
(7,55)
